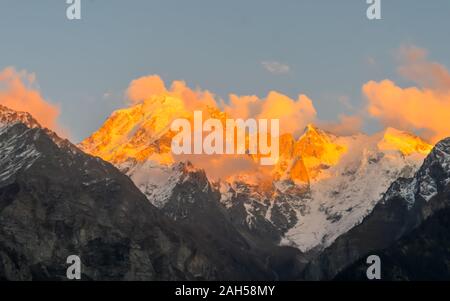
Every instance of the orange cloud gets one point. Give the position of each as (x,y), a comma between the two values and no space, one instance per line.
(148,86)
(145,87)
(242,106)
(424,109)
(294,115)
(16,92)
(193,99)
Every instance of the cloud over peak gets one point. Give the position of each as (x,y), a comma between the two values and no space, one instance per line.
(425,108)
(18,92)
(294,114)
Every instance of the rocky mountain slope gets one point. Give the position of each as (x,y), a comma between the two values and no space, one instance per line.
(57,201)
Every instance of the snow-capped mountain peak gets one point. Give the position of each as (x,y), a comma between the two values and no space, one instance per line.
(407,143)
(322,185)
(9,117)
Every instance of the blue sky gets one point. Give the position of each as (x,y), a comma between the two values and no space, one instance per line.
(330,47)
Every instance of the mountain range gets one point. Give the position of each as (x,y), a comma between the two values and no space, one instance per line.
(320,188)
(132,210)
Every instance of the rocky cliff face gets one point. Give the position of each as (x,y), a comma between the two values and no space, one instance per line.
(56,201)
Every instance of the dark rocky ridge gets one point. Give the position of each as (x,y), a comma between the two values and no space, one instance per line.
(422,255)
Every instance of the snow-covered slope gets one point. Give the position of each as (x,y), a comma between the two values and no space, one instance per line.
(157,181)
(15,153)
(341,180)
(347,192)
